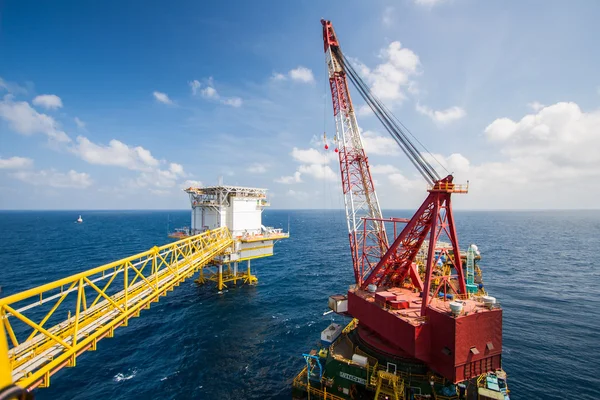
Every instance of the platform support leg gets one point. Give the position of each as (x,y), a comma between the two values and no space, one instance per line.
(220,285)
(235,272)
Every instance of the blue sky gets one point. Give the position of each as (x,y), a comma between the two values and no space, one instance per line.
(122,104)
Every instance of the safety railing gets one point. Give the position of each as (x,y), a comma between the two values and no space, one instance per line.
(300,382)
(448,187)
(50,325)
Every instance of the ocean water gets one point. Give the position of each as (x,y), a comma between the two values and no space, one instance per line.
(247,343)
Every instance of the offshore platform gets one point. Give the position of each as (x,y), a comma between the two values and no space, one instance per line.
(226,229)
(239,209)
(423,326)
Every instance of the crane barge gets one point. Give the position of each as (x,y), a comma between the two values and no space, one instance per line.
(422,324)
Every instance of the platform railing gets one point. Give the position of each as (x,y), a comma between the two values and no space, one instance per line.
(50,325)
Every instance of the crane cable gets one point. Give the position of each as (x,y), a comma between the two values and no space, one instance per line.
(385,117)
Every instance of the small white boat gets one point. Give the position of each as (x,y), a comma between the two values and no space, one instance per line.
(79,220)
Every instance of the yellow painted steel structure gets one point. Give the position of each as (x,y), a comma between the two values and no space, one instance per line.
(49,326)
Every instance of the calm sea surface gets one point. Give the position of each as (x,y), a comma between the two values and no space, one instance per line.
(247,343)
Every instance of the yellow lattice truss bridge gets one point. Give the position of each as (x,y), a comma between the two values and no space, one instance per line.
(48,327)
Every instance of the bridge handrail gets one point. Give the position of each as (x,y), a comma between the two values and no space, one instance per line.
(36,291)
(45,350)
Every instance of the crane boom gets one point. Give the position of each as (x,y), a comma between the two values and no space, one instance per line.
(375,260)
(368,240)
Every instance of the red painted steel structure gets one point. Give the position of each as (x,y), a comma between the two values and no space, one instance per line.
(368,240)
(459,347)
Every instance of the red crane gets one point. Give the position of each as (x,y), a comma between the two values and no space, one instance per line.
(384,269)
(376,262)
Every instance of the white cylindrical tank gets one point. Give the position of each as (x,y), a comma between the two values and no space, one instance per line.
(489,301)
(456,307)
(372,288)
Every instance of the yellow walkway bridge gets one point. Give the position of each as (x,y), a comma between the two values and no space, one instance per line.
(48,327)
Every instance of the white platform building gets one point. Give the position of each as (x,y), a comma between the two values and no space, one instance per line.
(240,210)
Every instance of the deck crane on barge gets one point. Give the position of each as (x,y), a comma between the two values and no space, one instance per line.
(415,333)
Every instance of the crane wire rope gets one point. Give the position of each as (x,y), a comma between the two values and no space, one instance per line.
(394,128)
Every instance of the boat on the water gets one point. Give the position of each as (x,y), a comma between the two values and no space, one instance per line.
(79,220)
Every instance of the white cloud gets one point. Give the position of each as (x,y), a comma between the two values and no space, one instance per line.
(383,169)
(535,106)
(159,178)
(190,183)
(290,179)
(116,153)
(546,159)
(312,156)
(15,163)
(300,74)
(233,102)
(388,79)
(209,92)
(318,171)
(162,98)
(364,111)
(396,178)
(11,87)
(444,116)
(52,178)
(376,144)
(80,124)
(278,77)
(314,163)
(48,101)
(257,168)
(195,85)
(560,137)
(25,120)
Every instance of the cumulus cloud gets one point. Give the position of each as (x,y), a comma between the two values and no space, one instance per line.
(23,119)
(377,144)
(48,101)
(295,178)
(208,91)
(190,183)
(116,153)
(300,74)
(55,179)
(318,171)
(15,163)
(395,178)
(233,102)
(195,86)
(11,87)
(535,105)
(312,156)
(313,163)
(389,79)
(162,98)
(444,116)
(159,178)
(561,139)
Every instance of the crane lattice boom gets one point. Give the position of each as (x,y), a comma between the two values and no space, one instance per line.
(368,240)
(375,261)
